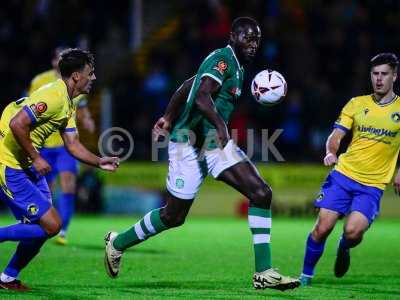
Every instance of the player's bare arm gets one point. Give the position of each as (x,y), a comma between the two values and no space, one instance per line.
(80,152)
(205,105)
(332,146)
(396,183)
(178,100)
(174,107)
(20,126)
(84,116)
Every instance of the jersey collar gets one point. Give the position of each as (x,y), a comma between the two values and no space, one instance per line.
(65,90)
(395,97)
(234,55)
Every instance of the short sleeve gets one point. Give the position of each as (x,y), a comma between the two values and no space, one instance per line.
(216,66)
(42,108)
(71,124)
(80,101)
(345,120)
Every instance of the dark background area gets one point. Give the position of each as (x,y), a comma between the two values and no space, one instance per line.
(322,48)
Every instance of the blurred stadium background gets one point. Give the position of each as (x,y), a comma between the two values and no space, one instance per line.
(145,49)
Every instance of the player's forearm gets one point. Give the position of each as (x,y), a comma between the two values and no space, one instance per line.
(178,100)
(332,144)
(206,106)
(82,113)
(21,134)
(82,154)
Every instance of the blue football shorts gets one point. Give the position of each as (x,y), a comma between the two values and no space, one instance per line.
(345,195)
(26,193)
(60,161)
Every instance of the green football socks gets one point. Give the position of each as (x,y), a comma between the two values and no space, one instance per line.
(150,225)
(260,226)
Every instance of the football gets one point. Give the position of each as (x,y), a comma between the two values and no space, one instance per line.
(269,87)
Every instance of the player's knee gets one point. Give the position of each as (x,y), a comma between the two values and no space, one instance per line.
(261,197)
(353,233)
(321,232)
(173,219)
(68,183)
(53,228)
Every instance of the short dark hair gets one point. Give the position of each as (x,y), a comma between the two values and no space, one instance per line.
(242,22)
(73,60)
(385,59)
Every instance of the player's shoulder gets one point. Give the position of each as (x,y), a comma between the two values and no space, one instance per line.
(222,59)
(360,100)
(54,92)
(225,53)
(44,77)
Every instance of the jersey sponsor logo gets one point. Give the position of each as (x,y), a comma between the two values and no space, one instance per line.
(236,91)
(32,209)
(377,131)
(395,117)
(221,67)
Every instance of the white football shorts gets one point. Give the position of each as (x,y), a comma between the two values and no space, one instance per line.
(188,167)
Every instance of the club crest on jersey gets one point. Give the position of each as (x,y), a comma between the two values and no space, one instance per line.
(41,107)
(366,111)
(395,117)
(319,197)
(180,183)
(32,209)
(221,67)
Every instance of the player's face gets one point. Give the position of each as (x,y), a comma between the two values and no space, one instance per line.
(247,41)
(382,78)
(85,79)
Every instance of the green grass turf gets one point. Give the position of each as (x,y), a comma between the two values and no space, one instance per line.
(291,183)
(208,258)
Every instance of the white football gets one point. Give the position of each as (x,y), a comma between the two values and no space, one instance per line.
(269,87)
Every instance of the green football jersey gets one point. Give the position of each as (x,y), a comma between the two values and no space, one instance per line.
(222,66)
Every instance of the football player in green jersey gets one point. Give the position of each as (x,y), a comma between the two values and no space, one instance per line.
(200,144)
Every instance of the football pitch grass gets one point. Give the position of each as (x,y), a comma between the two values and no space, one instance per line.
(207,258)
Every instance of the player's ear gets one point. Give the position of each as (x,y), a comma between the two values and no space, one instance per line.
(232,37)
(75,76)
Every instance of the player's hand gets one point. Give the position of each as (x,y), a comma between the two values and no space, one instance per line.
(88,124)
(330,159)
(109,163)
(41,165)
(396,184)
(161,128)
(223,136)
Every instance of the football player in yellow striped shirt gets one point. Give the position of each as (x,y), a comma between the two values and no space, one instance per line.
(62,163)
(23,185)
(355,185)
